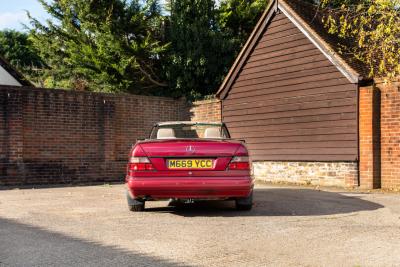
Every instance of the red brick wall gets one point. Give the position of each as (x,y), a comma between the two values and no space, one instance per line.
(206,111)
(380,136)
(3,132)
(390,134)
(56,136)
(369,131)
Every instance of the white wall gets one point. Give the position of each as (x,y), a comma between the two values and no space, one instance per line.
(7,79)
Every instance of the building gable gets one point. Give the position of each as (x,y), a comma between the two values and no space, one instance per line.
(10,76)
(275,7)
(7,79)
(289,101)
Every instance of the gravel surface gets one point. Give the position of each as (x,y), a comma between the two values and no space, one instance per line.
(289,226)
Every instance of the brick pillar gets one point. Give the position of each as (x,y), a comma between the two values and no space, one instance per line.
(390,137)
(369,131)
(206,110)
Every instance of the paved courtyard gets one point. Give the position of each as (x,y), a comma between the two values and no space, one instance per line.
(289,226)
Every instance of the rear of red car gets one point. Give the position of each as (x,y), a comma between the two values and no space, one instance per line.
(189,168)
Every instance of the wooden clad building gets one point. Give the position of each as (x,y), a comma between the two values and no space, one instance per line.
(294,100)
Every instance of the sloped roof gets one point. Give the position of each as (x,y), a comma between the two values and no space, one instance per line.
(313,17)
(14,72)
(304,16)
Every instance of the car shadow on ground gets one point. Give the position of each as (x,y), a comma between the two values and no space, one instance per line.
(278,202)
(26,245)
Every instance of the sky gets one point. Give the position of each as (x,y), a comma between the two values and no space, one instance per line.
(13,13)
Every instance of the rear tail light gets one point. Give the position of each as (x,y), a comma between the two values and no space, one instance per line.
(139,164)
(239,163)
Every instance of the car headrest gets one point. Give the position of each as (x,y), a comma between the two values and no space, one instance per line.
(212,132)
(165,133)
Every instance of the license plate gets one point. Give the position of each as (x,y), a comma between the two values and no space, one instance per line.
(190,164)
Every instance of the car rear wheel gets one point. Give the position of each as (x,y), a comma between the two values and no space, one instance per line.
(135,205)
(244,203)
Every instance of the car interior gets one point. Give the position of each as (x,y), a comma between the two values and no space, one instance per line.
(189,131)
(166,133)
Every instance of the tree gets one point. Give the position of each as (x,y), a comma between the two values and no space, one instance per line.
(102,45)
(199,55)
(237,18)
(134,46)
(374,29)
(18,49)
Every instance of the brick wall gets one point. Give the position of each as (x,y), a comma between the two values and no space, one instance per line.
(57,136)
(380,136)
(390,134)
(206,110)
(369,132)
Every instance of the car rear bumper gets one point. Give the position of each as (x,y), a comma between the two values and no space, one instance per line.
(193,188)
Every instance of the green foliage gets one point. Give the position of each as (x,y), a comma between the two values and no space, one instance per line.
(134,46)
(17,48)
(374,27)
(199,55)
(238,17)
(205,40)
(102,45)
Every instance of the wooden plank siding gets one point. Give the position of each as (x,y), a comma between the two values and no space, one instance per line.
(290,103)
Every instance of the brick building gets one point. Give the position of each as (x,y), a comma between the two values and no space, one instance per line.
(307,114)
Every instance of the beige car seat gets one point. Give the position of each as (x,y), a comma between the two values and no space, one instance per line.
(166,133)
(212,132)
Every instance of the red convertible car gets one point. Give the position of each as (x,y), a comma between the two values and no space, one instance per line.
(186,161)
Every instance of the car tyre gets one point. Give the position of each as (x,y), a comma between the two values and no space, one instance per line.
(244,203)
(135,205)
